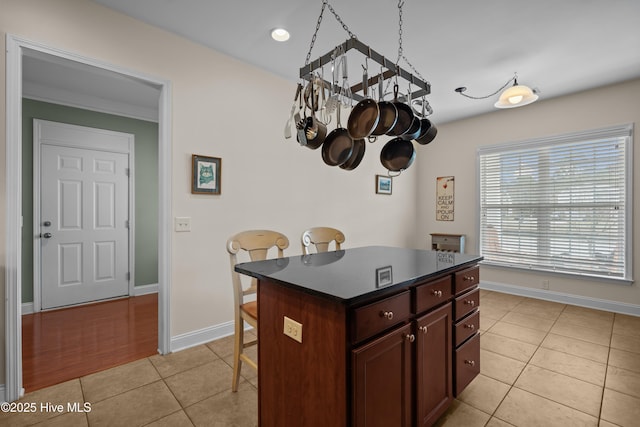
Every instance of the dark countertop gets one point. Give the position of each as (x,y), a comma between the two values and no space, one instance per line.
(351,275)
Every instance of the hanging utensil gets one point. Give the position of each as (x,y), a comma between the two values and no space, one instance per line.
(315,130)
(428,130)
(287,126)
(334,97)
(346,97)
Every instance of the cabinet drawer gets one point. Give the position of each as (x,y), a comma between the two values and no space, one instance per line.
(466,328)
(466,279)
(379,316)
(431,294)
(467,363)
(466,303)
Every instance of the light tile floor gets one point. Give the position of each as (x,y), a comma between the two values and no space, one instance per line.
(542,364)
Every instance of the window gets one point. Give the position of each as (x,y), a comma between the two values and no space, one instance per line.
(560,204)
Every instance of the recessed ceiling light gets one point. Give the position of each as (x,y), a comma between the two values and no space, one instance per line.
(280,34)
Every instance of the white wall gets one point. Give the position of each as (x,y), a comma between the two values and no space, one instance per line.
(458,143)
(223,108)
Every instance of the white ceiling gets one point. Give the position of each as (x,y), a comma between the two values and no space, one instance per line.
(556,46)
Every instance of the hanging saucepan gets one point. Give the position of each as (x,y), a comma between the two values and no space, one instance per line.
(338,145)
(428,130)
(365,115)
(314,129)
(416,124)
(397,154)
(427,133)
(356,155)
(388,112)
(405,115)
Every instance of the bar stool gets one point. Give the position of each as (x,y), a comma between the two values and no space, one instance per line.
(257,243)
(321,237)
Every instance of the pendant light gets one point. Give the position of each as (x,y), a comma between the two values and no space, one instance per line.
(515,96)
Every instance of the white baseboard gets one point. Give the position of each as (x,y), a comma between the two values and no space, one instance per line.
(201,336)
(27,308)
(582,301)
(145,289)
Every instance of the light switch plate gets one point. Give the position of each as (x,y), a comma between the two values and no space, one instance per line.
(293,329)
(182,223)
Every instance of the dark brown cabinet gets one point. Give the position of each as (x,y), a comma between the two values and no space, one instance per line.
(433,377)
(382,378)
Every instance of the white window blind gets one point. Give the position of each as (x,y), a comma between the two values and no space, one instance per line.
(559,204)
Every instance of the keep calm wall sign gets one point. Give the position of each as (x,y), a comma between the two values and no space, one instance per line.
(444,198)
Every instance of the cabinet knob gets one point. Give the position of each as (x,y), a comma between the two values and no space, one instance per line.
(470,362)
(469,278)
(387,314)
(470,326)
(410,337)
(422,329)
(470,302)
(436,293)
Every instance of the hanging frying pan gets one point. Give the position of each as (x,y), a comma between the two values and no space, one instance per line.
(427,133)
(405,115)
(397,154)
(356,155)
(365,115)
(338,145)
(388,112)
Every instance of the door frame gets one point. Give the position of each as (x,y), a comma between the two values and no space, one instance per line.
(127,148)
(16,48)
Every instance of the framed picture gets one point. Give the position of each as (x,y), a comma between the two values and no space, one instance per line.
(383,184)
(384,276)
(206,174)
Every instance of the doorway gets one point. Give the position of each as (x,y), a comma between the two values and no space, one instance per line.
(17,49)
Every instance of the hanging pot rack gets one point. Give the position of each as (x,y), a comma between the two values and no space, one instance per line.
(308,71)
(399,152)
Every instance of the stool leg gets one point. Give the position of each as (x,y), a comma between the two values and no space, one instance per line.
(237,349)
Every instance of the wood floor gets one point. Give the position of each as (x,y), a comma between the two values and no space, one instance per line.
(69,343)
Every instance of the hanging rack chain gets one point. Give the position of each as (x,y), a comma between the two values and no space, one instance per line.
(325,3)
(400,4)
(315,34)
(461,92)
(344,26)
(414,69)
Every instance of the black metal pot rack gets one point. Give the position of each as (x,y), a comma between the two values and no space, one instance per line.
(307,72)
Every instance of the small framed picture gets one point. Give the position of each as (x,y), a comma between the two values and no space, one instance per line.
(207,173)
(383,184)
(384,276)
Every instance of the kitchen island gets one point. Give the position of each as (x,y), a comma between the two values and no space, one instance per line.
(365,337)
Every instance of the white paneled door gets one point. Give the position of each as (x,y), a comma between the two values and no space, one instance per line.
(84,202)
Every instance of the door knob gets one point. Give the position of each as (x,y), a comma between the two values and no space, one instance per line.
(47,223)
(47,235)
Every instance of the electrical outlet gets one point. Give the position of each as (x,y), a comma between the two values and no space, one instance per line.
(293,329)
(545,284)
(182,223)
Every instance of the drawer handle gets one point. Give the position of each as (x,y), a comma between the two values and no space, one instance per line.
(470,326)
(436,293)
(470,302)
(387,314)
(470,362)
(469,278)
(410,337)
(422,329)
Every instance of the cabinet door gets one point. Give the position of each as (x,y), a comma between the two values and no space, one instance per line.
(382,380)
(433,365)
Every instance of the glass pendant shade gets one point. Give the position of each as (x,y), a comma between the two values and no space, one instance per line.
(516,96)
